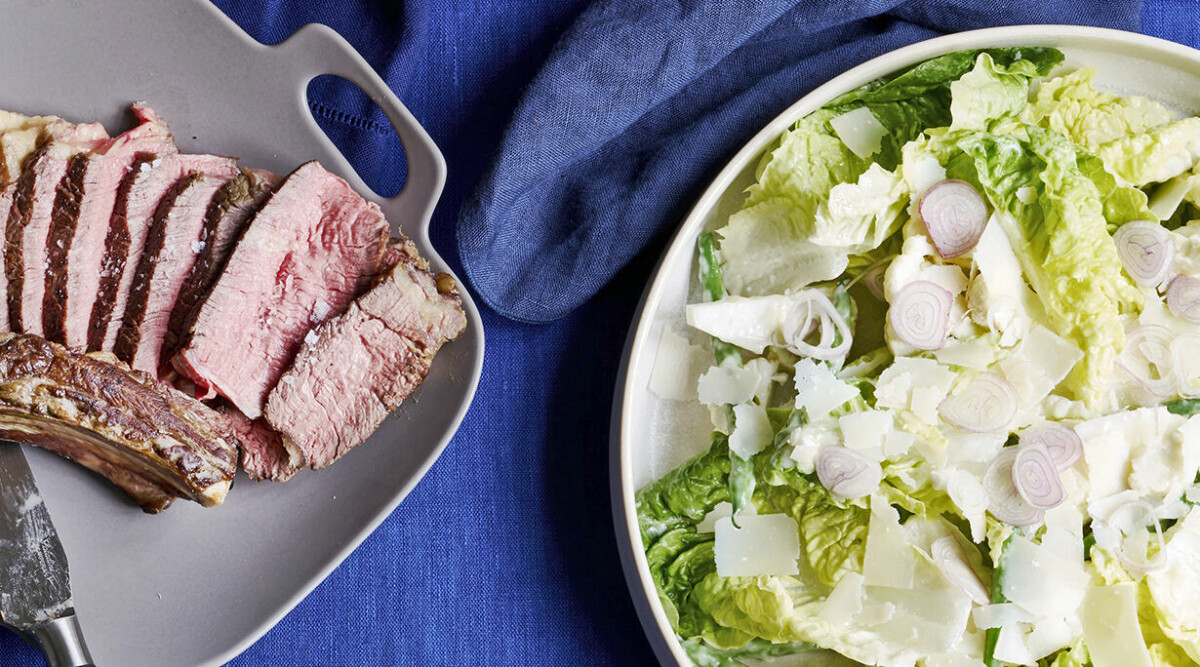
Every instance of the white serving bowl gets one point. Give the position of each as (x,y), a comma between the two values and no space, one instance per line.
(652,435)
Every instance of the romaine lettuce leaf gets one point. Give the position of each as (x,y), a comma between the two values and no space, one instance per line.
(703,655)
(920,98)
(989,92)
(1054,217)
(1138,140)
(685,495)
(1072,106)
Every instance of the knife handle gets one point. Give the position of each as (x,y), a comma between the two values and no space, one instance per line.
(62,642)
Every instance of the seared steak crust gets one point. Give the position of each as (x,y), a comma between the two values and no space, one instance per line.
(116,254)
(63,222)
(224,222)
(151,440)
(28,224)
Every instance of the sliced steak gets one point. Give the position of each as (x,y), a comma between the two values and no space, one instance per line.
(151,440)
(171,250)
(355,369)
(6,198)
(79,226)
(149,180)
(28,223)
(19,136)
(224,223)
(265,454)
(301,260)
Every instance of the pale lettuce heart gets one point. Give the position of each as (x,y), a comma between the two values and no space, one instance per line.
(989,92)
(1071,105)
(1139,140)
(859,216)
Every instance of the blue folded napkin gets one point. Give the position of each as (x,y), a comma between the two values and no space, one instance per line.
(642,102)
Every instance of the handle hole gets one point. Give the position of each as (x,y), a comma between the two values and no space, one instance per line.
(361,131)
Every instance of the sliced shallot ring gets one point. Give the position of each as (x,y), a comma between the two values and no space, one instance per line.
(847,473)
(1183,298)
(954,214)
(1036,477)
(986,405)
(948,556)
(1061,442)
(920,314)
(873,279)
(1153,563)
(1147,359)
(809,304)
(1146,251)
(1004,502)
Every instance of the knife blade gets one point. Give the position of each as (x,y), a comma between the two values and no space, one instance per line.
(35,580)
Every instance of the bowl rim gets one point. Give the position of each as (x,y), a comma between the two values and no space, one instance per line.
(638,580)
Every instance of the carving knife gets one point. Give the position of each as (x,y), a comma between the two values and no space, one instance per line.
(35,584)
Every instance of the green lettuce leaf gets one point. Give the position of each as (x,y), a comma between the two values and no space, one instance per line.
(685,495)
(776,608)
(1121,203)
(908,483)
(1072,106)
(1072,656)
(1055,220)
(920,98)
(704,655)
(765,245)
(794,229)
(989,92)
(1138,140)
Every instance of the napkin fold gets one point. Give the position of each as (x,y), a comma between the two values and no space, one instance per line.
(640,104)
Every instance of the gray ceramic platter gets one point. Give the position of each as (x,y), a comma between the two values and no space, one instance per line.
(652,435)
(194,586)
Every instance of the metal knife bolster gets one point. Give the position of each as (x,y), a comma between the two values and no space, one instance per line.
(35,581)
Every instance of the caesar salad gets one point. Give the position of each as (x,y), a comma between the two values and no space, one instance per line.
(954,383)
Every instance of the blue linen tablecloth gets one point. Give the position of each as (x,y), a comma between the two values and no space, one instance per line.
(504,554)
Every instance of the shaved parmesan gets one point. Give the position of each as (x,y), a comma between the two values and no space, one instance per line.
(1110,627)
(1000,615)
(866,431)
(898,443)
(722,510)
(845,601)
(751,323)
(818,391)
(751,430)
(890,560)
(860,130)
(1138,449)
(765,544)
(976,354)
(1041,361)
(1011,648)
(1040,582)
(915,385)
(724,385)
